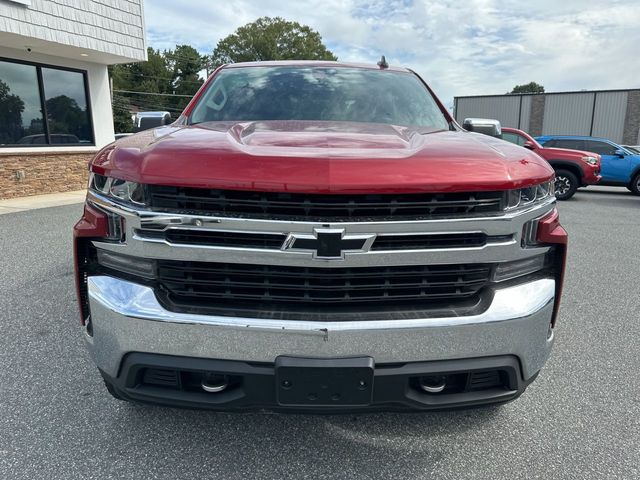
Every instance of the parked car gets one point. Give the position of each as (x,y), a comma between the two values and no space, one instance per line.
(118,136)
(55,138)
(346,247)
(574,168)
(619,166)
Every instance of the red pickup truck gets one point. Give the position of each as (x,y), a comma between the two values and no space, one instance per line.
(574,168)
(318,236)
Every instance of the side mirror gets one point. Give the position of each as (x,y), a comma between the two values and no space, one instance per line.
(146,120)
(619,153)
(487,126)
(528,144)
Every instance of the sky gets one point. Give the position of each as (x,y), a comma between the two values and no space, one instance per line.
(460,47)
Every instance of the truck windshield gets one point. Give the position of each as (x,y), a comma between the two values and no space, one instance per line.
(318,93)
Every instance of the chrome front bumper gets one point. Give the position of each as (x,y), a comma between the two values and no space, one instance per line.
(126,317)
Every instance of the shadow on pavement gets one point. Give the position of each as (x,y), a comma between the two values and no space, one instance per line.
(285,444)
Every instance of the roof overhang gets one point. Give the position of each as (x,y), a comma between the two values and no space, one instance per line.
(20,42)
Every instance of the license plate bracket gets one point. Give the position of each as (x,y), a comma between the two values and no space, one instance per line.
(324,382)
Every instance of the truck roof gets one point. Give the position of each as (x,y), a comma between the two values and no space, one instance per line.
(314,63)
(574,137)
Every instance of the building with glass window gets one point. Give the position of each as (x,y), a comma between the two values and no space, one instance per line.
(55,98)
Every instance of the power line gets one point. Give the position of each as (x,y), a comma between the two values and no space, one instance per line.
(148,106)
(183,57)
(160,78)
(150,93)
(141,104)
(144,105)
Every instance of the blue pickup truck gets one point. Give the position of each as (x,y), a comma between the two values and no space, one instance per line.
(619,165)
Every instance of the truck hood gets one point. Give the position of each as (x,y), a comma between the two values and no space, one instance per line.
(320,157)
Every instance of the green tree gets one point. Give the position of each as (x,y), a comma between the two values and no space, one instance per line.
(167,73)
(187,64)
(271,39)
(122,122)
(11,108)
(65,116)
(153,76)
(531,87)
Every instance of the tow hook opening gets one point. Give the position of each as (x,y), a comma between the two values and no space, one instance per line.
(460,382)
(214,382)
(433,384)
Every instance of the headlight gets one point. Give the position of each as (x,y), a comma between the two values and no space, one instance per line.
(523,197)
(590,160)
(126,192)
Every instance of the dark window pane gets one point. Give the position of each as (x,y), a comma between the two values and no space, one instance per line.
(20,108)
(318,94)
(601,148)
(570,144)
(66,102)
(513,138)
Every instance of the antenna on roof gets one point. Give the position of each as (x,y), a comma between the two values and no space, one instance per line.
(383,63)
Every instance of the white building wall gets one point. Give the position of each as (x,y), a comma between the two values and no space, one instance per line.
(111,27)
(99,94)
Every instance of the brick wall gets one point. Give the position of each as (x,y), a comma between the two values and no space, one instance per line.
(536,116)
(631,135)
(43,173)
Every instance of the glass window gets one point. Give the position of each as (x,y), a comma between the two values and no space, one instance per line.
(66,105)
(20,107)
(570,144)
(25,89)
(322,93)
(601,148)
(514,138)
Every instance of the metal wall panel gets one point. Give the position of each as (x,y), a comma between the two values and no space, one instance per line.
(525,113)
(568,114)
(608,121)
(504,108)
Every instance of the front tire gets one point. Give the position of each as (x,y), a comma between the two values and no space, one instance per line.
(634,186)
(566,184)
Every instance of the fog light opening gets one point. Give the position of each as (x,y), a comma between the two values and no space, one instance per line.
(214,382)
(433,384)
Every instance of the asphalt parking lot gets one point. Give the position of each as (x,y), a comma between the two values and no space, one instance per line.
(580,419)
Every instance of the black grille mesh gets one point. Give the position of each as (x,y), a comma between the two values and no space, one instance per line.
(239,285)
(323,207)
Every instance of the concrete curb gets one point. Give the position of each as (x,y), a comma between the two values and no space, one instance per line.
(21,204)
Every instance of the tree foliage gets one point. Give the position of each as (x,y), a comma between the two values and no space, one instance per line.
(122,121)
(170,72)
(11,108)
(175,75)
(271,39)
(65,116)
(531,87)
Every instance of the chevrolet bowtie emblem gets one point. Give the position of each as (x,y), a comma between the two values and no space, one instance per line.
(328,243)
